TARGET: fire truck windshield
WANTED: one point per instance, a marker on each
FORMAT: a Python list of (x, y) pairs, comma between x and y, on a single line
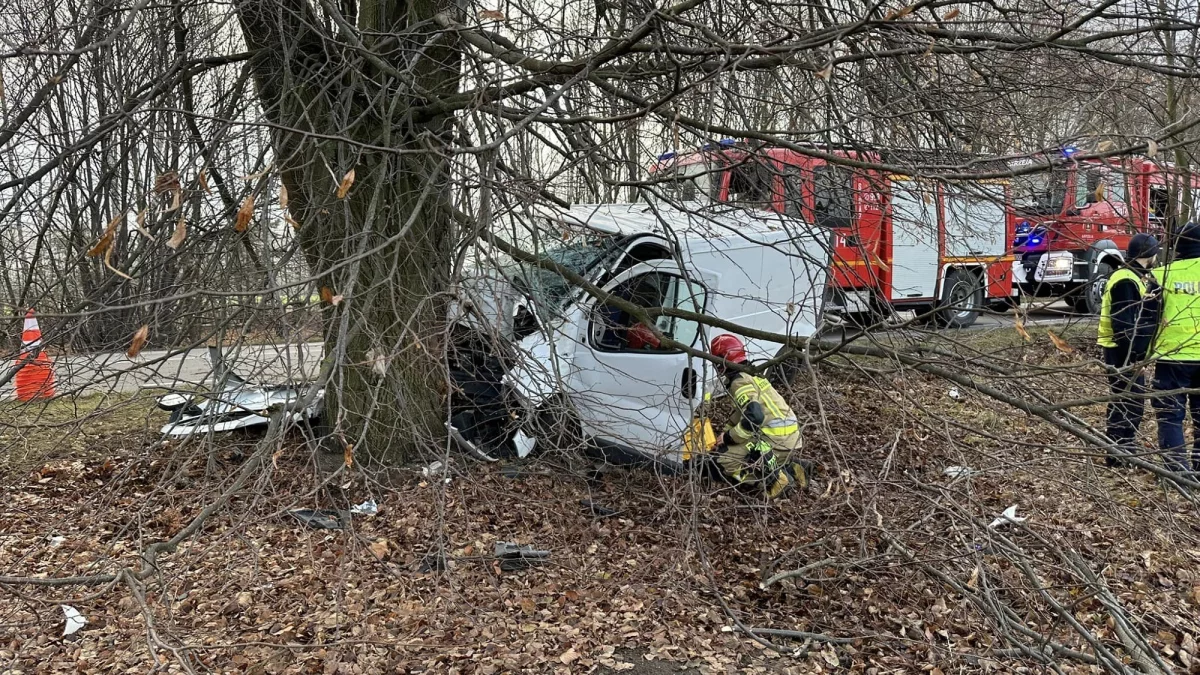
[(686, 183), (1040, 193)]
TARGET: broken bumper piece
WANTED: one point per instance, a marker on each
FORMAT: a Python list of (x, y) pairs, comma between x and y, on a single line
[(236, 408)]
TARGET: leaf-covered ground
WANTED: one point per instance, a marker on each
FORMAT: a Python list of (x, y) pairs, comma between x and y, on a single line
[(903, 569)]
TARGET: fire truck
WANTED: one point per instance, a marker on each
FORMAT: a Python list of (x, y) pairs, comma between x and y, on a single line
[(899, 242), (1073, 222)]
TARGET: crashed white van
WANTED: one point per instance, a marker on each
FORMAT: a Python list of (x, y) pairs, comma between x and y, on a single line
[(627, 395)]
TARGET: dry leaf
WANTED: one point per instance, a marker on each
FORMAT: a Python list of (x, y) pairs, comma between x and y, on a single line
[(202, 179), (176, 199), (256, 176), (570, 656), (1019, 324), (336, 300), (275, 457), (348, 455), (287, 217), (1060, 343), (951, 15), (973, 582), (344, 187), (244, 214), (283, 197), (326, 294), (139, 341), (140, 224), (166, 182), (492, 15), (826, 72), (899, 13), (102, 246), (379, 548), (109, 265), (1151, 147), (180, 233)]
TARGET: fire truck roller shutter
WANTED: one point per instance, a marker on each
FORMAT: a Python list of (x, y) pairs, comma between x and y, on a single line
[(1092, 272)]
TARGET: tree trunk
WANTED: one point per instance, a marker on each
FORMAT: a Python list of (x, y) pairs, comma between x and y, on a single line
[(385, 247)]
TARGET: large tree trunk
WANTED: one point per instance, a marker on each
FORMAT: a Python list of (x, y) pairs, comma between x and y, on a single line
[(386, 246)]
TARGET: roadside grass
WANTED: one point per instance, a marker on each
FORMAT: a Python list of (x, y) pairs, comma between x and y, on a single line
[(70, 427)]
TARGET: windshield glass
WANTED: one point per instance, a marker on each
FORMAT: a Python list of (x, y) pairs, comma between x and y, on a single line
[(687, 183), (1040, 192), (546, 288)]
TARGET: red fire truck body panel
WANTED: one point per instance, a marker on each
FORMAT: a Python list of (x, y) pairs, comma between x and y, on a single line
[(1073, 224), (897, 240)]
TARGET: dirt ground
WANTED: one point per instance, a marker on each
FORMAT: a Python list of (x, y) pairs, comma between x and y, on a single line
[(898, 568)]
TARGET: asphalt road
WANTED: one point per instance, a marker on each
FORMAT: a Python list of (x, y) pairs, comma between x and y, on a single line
[(155, 371)]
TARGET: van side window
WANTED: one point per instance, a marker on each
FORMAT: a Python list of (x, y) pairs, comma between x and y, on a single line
[(750, 184), (833, 196), (793, 192), (615, 330)]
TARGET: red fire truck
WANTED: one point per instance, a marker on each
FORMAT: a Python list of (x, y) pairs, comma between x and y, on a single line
[(1073, 223), (900, 243)]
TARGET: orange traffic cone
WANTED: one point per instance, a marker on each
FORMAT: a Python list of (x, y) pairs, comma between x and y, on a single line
[(36, 378)]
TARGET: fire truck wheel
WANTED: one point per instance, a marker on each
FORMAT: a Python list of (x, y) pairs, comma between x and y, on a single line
[(1091, 296), (962, 298)]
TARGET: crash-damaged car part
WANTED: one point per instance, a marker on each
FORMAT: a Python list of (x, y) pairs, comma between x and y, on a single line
[(236, 403)]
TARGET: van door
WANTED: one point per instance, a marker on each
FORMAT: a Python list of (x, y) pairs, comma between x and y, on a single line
[(631, 393)]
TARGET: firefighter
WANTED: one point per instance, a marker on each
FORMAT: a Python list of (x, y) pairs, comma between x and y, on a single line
[(1177, 350), (762, 442), (1128, 319)]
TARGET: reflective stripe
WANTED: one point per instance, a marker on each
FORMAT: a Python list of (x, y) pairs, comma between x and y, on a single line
[(764, 386), (781, 431)]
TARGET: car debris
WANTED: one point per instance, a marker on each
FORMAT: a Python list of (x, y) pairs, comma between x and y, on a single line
[(1008, 516), (236, 403), (75, 620), (517, 557), (367, 508), (321, 519), (435, 561), (597, 510), (961, 472)]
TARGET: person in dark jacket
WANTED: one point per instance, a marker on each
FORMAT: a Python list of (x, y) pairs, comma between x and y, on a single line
[(1129, 318)]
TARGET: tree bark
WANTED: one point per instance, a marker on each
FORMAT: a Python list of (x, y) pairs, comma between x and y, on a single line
[(340, 103)]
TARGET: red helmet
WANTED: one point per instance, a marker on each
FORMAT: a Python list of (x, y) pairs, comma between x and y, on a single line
[(728, 347)]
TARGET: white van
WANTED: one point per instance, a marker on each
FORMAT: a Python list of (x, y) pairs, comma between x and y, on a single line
[(631, 398)]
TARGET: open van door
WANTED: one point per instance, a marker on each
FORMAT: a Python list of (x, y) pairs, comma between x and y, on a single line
[(633, 396)]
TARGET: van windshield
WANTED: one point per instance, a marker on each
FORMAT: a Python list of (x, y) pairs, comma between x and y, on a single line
[(548, 290)]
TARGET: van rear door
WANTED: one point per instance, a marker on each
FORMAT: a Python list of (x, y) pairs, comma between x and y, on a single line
[(631, 394)]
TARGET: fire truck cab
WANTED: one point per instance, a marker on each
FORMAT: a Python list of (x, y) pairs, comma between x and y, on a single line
[(899, 242), (1073, 223)]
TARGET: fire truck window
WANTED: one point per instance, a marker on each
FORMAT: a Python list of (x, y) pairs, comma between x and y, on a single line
[(833, 196), (793, 193), (1085, 187), (1114, 188), (1040, 193), (750, 184)]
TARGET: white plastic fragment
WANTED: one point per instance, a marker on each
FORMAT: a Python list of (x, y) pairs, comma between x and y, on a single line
[(524, 443), (431, 470), (57, 540), (367, 508), (75, 620), (1008, 516), (961, 472), (955, 394)]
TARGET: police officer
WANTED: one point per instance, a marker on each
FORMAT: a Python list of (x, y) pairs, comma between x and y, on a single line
[(1128, 319), (1177, 351), (762, 441)]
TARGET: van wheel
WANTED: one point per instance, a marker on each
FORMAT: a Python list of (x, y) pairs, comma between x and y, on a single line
[(1091, 296), (962, 299)]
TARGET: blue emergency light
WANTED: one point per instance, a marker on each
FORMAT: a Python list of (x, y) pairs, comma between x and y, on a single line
[(666, 156), (723, 143), (1069, 150)]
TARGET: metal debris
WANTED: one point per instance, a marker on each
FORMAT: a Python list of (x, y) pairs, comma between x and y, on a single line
[(518, 557), (321, 519)]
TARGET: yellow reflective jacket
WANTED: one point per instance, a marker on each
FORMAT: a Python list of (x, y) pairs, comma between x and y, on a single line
[(779, 427)]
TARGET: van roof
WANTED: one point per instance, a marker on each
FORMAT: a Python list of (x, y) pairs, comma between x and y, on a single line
[(704, 221)]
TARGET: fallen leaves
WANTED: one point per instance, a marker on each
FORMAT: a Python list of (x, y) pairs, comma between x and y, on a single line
[(344, 186), (951, 15), (138, 341), (202, 181), (348, 455), (1019, 325), (379, 548), (900, 13), (1060, 344), (492, 15)]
